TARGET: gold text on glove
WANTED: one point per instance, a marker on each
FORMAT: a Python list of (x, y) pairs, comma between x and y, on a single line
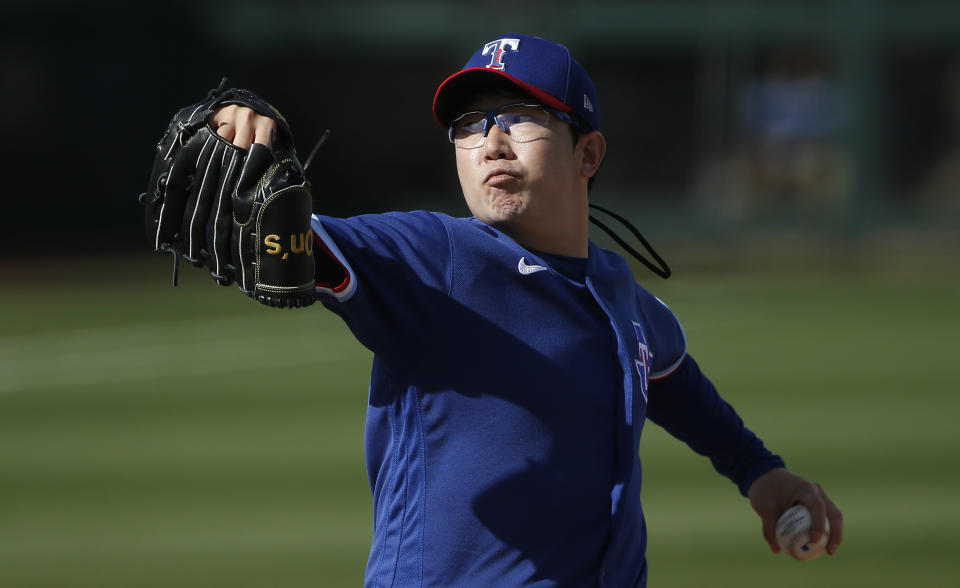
[(299, 243)]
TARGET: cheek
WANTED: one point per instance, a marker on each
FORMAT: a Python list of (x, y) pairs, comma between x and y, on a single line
[(466, 161), (550, 166), (464, 169), (468, 173)]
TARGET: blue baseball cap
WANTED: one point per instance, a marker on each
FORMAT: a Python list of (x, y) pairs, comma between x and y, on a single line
[(543, 69)]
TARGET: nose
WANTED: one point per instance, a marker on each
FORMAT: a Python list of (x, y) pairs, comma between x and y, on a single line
[(497, 145)]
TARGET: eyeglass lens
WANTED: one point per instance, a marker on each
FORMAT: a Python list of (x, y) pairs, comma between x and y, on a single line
[(521, 122)]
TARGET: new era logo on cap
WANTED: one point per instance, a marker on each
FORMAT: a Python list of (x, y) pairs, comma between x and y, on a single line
[(542, 69)]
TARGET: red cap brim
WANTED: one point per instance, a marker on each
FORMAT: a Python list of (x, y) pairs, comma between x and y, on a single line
[(445, 105)]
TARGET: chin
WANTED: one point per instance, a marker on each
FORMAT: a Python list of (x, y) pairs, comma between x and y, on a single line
[(494, 209), (504, 207)]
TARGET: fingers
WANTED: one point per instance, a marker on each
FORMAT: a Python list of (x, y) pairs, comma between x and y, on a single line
[(224, 121), (264, 127), (774, 492), (770, 532), (227, 131), (836, 527), (766, 498), (813, 499), (822, 510), (242, 126), (221, 222), (199, 197), (178, 185)]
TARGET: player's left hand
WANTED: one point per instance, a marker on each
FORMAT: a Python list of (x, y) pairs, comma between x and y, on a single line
[(778, 490), (242, 125), (231, 196)]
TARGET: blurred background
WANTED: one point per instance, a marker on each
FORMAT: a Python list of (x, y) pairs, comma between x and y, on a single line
[(796, 161)]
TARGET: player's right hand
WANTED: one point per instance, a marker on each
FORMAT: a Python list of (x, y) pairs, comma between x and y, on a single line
[(779, 489), (242, 125)]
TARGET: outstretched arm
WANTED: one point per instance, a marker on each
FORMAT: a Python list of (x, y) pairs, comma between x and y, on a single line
[(687, 404)]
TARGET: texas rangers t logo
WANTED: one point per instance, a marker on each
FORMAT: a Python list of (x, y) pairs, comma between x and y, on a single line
[(643, 364), (496, 49)]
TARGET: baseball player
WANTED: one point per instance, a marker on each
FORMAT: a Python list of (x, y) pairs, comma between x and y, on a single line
[(515, 361)]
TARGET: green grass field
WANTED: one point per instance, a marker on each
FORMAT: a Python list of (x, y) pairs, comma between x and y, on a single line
[(158, 437)]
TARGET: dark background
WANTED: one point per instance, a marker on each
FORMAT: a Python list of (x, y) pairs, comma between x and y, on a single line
[(796, 162), (88, 89)]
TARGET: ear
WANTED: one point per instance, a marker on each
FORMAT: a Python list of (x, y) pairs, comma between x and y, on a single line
[(593, 145)]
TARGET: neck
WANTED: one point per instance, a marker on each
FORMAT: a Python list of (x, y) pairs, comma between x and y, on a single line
[(557, 234)]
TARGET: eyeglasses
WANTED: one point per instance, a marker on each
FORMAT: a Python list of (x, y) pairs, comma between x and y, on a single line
[(520, 122)]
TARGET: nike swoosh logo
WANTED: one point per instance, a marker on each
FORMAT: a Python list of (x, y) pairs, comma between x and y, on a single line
[(529, 269)]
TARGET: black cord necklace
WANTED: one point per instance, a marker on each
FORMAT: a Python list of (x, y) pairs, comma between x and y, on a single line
[(663, 270)]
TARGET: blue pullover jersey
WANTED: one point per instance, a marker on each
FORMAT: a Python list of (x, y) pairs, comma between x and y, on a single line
[(507, 397)]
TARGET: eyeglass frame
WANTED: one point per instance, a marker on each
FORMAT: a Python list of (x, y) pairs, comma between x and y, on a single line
[(492, 115)]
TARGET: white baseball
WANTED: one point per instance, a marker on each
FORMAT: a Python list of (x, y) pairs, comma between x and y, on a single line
[(793, 534)]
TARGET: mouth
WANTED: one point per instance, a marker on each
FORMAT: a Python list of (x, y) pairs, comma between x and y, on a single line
[(500, 176)]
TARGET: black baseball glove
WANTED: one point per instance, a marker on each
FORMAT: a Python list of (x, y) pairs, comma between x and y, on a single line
[(244, 214)]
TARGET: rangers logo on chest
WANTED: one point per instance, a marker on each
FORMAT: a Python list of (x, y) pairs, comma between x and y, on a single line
[(644, 359)]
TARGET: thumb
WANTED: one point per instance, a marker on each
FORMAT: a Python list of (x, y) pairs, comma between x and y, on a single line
[(770, 531), (256, 164)]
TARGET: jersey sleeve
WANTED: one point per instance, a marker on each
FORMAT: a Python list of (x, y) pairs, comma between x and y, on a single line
[(688, 406), (664, 334), (382, 274)]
